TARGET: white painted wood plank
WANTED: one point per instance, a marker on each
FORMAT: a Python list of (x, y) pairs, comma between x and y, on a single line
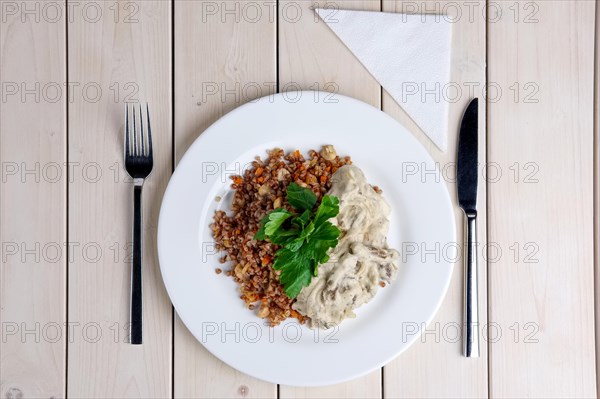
[(544, 299), (224, 57), (32, 204), (434, 365), (128, 57), (311, 57)]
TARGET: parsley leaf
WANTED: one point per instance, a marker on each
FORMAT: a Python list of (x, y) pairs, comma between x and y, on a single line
[(301, 198), (276, 219), (272, 222), (325, 237), (295, 271), (303, 219), (284, 237), (329, 207), (260, 234), (326, 232), (305, 241)]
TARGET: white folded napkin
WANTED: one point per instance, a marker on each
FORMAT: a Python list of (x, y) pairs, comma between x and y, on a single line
[(409, 55)]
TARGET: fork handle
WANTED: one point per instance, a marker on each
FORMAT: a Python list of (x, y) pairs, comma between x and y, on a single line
[(471, 311), (136, 267)]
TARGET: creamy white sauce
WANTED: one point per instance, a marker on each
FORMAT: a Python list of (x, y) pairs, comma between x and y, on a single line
[(360, 261)]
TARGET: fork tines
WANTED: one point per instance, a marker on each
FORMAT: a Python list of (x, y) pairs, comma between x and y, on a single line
[(138, 142), (142, 144)]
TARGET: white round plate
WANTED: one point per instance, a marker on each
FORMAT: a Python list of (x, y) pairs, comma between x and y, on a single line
[(422, 220)]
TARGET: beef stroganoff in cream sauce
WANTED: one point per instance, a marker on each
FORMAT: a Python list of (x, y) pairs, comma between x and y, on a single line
[(362, 260)]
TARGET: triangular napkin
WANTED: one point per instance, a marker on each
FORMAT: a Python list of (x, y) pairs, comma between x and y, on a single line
[(408, 54)]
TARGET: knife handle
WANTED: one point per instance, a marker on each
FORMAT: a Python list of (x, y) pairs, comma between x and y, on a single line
[(470, 308)]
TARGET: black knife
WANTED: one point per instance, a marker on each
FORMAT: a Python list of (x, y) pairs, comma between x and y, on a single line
[(467, 200)]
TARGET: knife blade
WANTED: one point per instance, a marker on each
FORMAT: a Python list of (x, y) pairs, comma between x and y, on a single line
[(467, 199), (467, 159)]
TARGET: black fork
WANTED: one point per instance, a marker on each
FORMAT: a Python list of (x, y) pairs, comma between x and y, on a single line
[(138, 163)]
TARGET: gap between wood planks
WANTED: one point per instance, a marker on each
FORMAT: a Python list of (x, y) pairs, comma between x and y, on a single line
[(596, 175)]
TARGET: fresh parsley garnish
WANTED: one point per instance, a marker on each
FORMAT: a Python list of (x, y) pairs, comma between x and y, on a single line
[(301, 198), (305, 237)]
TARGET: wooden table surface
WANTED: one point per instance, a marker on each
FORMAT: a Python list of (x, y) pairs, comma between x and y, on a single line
[(67, 69)]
